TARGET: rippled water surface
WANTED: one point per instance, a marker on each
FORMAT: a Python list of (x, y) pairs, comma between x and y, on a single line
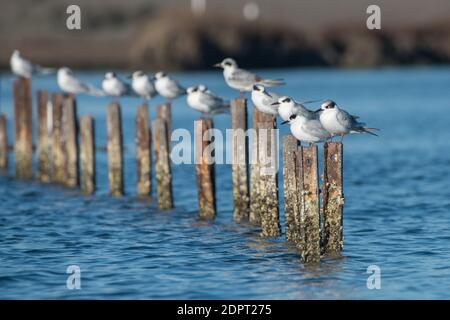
[(397, 210)]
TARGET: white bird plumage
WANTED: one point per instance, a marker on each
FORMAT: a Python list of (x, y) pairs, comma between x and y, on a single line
[(23, 68), (264, 101), (167, 87), (70, 84), (142, 85), (307, 129), (339, 122), (113, 86), (201, 99), (288, 106), (241, 79)]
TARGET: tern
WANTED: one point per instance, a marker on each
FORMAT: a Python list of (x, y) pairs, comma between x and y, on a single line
[(167, 87), (24, 68), (208, 103), (143, 85), (264, 101), (70, 84)]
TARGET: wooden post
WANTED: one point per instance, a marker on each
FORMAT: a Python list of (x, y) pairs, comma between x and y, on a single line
[(71, 141), (162, 166), (256, 186), (333, 198), (3, 144), (23, 140), (268, 188), (311, 218), (87, 154), (143, 156), (255, 217), (291, 192), (204, 169), (42, 143), (164, 112), (59, 171), (239, 147), (115, 150)]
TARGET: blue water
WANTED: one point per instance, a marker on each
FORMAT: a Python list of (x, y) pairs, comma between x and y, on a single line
[(397, 210)]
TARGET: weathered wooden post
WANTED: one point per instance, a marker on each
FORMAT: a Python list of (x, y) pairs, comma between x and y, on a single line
[(115, 150), (23, 140), (333, 198), (204, 169), (268, 189), (71, 142), (59, 172), (143, 156), (162, 166), (291, 196), (239, 147), (3, 144), (256, 184), (164, 112), (87, 154), (311, 213), (43, 143)]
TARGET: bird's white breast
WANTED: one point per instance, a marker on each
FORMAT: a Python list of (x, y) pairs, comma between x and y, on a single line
[(328, 119)]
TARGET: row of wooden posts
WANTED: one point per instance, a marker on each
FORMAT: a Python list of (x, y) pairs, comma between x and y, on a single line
[(313, 223)]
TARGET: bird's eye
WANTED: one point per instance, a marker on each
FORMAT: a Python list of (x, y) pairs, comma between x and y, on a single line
[(292, 117), (227, 63), (287, 100)]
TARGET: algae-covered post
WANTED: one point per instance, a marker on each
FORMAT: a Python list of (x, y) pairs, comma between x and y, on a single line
[(162, 166), (268, 189), (291, 195), (115, 150), (71, 140), (239, 149), (204, 169), (23, 139), (3, 144), (143, 156), (43, 143), (311, 219), (164, 112), (59, 161), (87, 154), (333, 198)]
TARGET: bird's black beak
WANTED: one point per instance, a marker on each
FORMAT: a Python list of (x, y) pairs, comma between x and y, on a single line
[(267, 94), (284, 122), (218, 65), (317, 111), (274, 103)]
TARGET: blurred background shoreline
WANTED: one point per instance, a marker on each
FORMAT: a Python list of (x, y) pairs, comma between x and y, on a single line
[(176, 35)]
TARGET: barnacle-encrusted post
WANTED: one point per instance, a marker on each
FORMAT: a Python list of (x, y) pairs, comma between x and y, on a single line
[(311, 214), (143, 156), (239, 149), (291, 194), (23, 137), (59, 157), (87, 154), (268, 182), (204, 169), (333, 198), (70, 136), (162, 167), (43, 142), (115, 150), (3, 144)]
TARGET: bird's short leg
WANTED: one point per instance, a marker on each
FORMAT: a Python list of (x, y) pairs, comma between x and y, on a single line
[(242, 94), (342, 137)]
